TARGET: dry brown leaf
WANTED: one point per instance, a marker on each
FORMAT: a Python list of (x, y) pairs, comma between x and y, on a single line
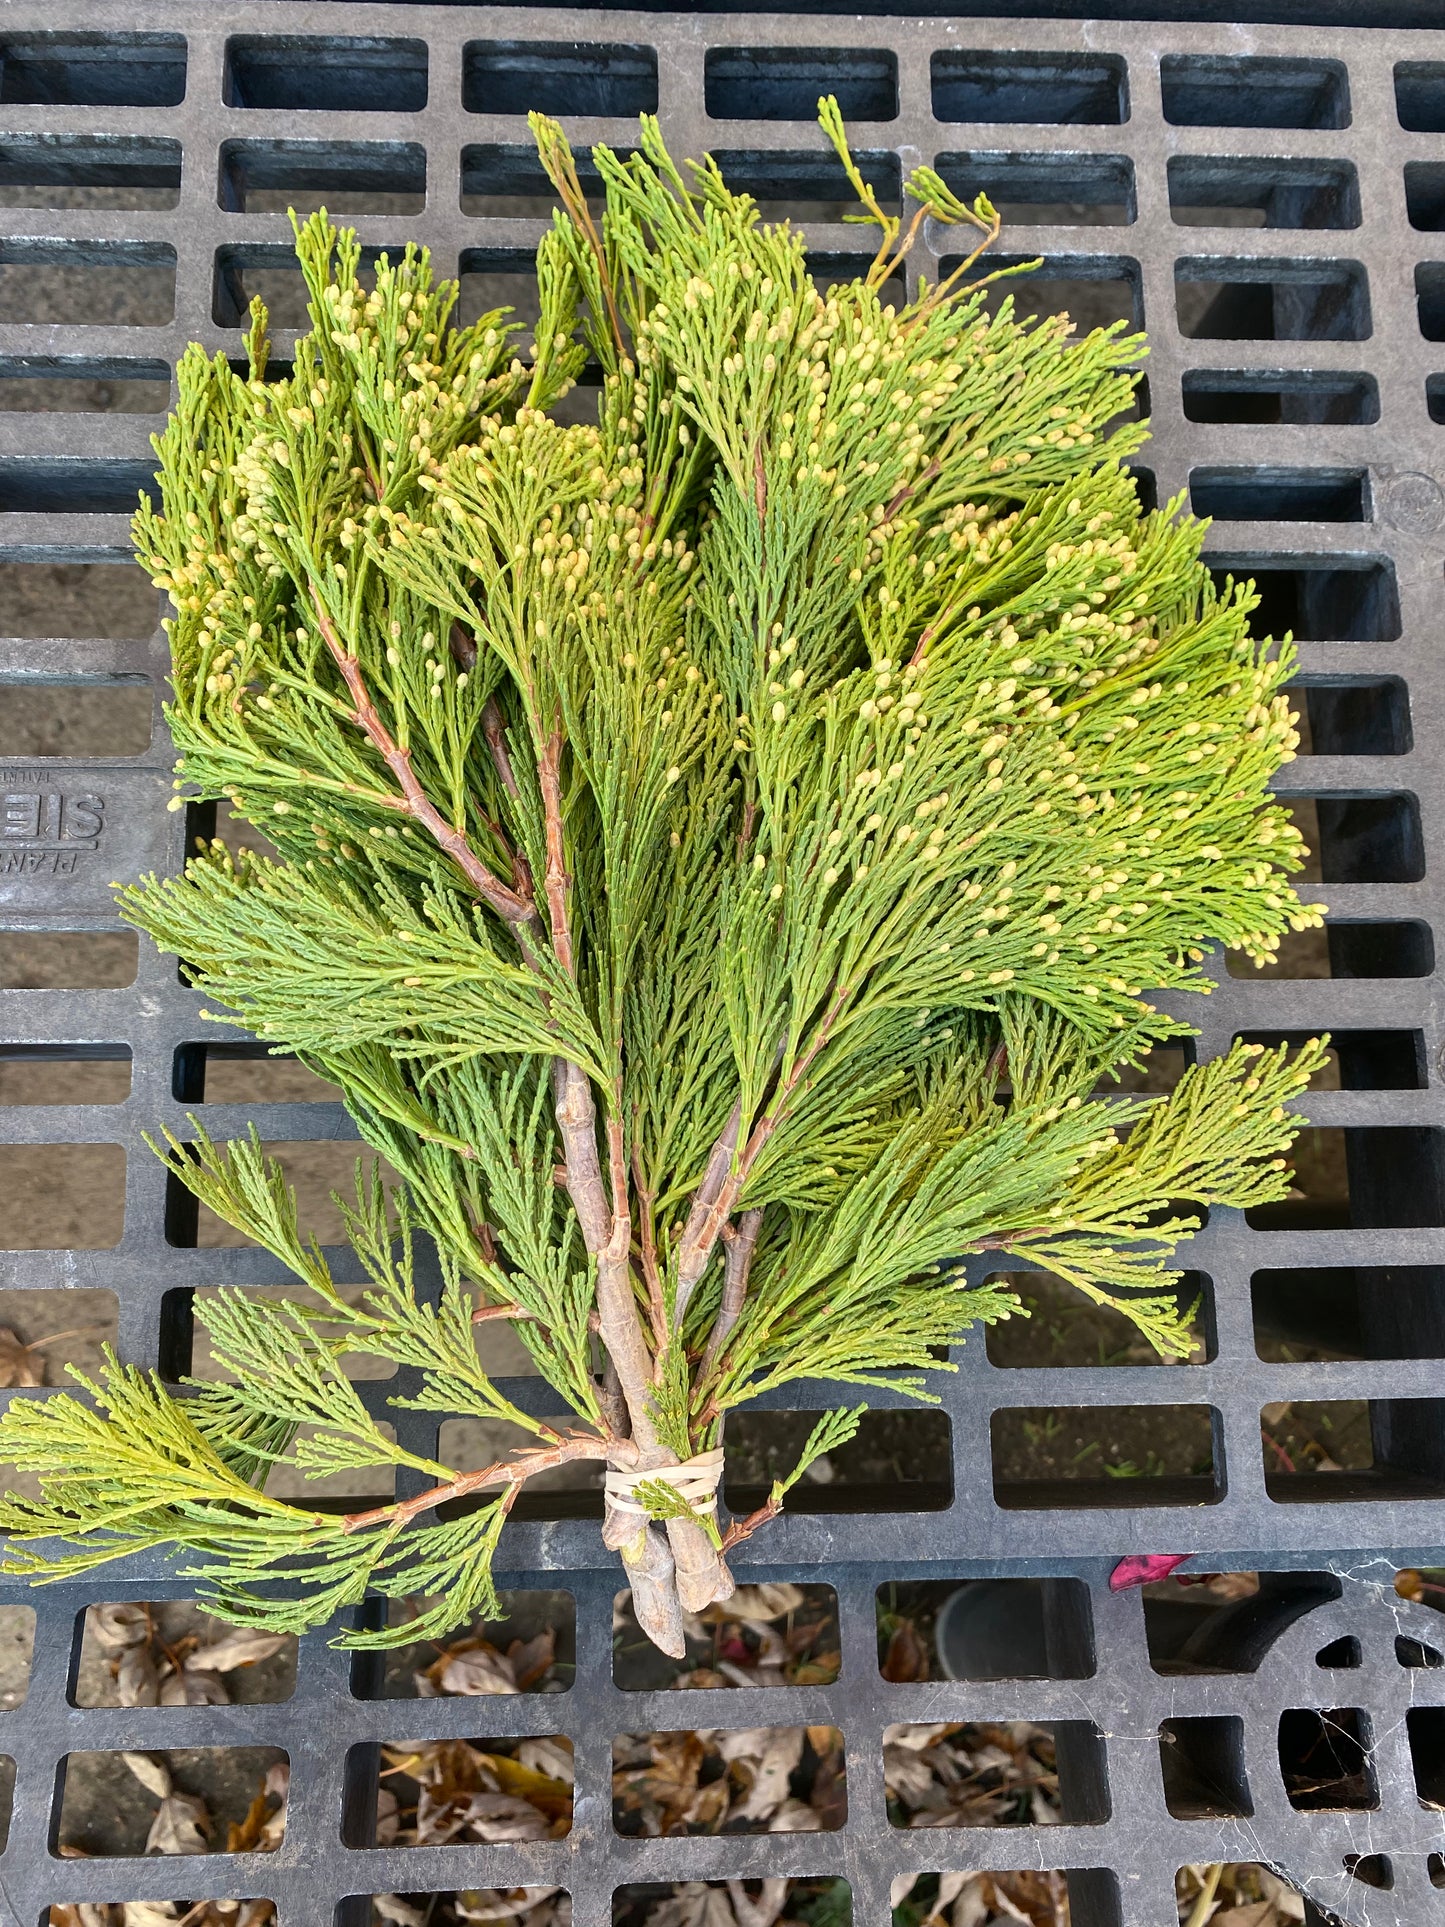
[(1003, 1905), (971, 1909), (1258, 1913), (759, 1604), (655, 1779), (446, 1764), (706, 1810), (916, 1737), (1002, 1774), (764, 1757), (153, 1774), (907, 1655), (150, 1913), (265, 1823), (393, 1907), (277, 1787), (1288, 1901), (763, 1911), (1232, 1585), (475, 1670), (237, 1648), (486, 1816), (180, 1825), (950, 1886), (531, 1659), (388, 1817), (137, 1683), (117, 1623), (906, 1774), (794, 1816), (550, 1760), (694, 1904), (829, 1796), (1045, 1812), (20, 1364), (193, 1689), (553, 1796)]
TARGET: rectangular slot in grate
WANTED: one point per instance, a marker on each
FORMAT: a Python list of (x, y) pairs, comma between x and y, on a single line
[(326, 73), (1234, 90), (558, 77), (347, 177), (1208, 191), (114, 171), (1248, 299), (1297, 397), (1356, 600), (784, 83), (1058, 89), (1346, 1311), (1054, 190), (92, 69), (1256, 494), (1420, 95), (96, 283)]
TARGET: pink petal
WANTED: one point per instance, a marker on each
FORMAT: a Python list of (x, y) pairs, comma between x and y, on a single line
[(1140, 1568)]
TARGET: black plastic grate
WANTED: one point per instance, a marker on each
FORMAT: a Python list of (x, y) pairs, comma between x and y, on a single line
[(1269, 207)]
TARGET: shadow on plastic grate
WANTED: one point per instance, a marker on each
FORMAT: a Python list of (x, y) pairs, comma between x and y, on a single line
[(1274, 219)]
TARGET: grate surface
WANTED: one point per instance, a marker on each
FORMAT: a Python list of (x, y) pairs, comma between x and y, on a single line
[(1270, 205)]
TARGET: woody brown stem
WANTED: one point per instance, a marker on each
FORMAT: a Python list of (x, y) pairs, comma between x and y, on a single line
[(741, 1529), (606, 1232), (484, 1313), (611, 1403), (652, 1574), (647, 1245), (694, 1248), (494, 734), (558, 880), (463, 648), (505, 1472), (740, 1243)]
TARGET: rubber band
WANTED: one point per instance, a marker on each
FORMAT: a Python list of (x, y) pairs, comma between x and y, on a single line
[(695, 1482)]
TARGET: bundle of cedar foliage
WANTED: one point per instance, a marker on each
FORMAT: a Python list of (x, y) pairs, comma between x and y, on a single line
[(722, 847)]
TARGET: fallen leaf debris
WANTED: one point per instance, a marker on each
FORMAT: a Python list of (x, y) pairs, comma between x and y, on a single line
[(982, 1899), (173, 1655), (435, 1792), (971, 1774), (1238, 1894), (735, 1903), (764, 1635), (709, 1779), (764, 1779)]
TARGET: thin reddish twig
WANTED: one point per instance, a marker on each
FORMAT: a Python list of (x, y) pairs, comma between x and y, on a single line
[(510, 1472), (512, 908)]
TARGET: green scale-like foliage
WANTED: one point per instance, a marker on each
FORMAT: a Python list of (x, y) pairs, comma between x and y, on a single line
[(821, 759)]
